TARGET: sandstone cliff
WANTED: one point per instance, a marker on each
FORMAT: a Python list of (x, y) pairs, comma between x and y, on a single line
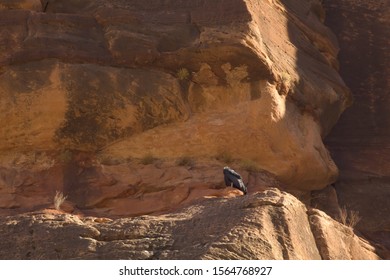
[(268, 225), (133, 107), (360, 141), (88, 84)]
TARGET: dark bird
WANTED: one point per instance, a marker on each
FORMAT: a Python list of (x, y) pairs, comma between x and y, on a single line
[(233, 179)]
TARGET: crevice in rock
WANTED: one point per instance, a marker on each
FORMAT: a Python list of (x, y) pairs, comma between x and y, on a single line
[(315, 231), (281, 227), (45, 6)]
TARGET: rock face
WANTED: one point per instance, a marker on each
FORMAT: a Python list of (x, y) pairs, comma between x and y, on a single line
[(133, 107), (267, 225), (360, 141), (253, 81)]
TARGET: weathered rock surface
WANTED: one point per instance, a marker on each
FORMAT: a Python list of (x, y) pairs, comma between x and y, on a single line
[(133, 107), (360, 141), (254, 81), (119, 189), (33, 5), (266, 225)]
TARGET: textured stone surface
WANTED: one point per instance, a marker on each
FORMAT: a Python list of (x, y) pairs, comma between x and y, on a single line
[(133, 107), (268, 225), (118, 188), (103, 77), (360, 141), (336, 241), (33, 5)]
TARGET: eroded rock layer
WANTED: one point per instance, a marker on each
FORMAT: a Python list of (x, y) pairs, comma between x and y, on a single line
[(94, 85), (268, 225)]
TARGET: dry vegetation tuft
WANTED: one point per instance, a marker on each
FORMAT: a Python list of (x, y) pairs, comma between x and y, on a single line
[(148, 159), (59, 199), (185, 161), (183, 74), (224, 157), (250, 166), (349, 218)]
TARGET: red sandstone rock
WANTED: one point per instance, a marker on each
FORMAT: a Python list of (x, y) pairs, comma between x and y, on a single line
[(90, 91), (269, 225), (360, 141)]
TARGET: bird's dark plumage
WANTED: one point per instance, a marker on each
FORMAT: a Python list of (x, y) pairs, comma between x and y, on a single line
[(232, 178)]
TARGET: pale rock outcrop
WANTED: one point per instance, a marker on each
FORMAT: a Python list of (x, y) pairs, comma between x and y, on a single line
[(336, 241), (267, 225)]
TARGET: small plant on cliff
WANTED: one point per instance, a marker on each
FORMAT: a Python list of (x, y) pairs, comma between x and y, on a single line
[(349, 218), (183, 74), (148, 159), (286, 78), (250, 166), (318, 9), (185, 161), (285, 83), (224, 157), (65, 156), (59, 199)]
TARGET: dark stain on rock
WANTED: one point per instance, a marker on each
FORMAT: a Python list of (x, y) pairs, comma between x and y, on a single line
[(99, 100)]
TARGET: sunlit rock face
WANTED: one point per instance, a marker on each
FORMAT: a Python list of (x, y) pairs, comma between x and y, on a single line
[(269, 225), (94, 92)]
